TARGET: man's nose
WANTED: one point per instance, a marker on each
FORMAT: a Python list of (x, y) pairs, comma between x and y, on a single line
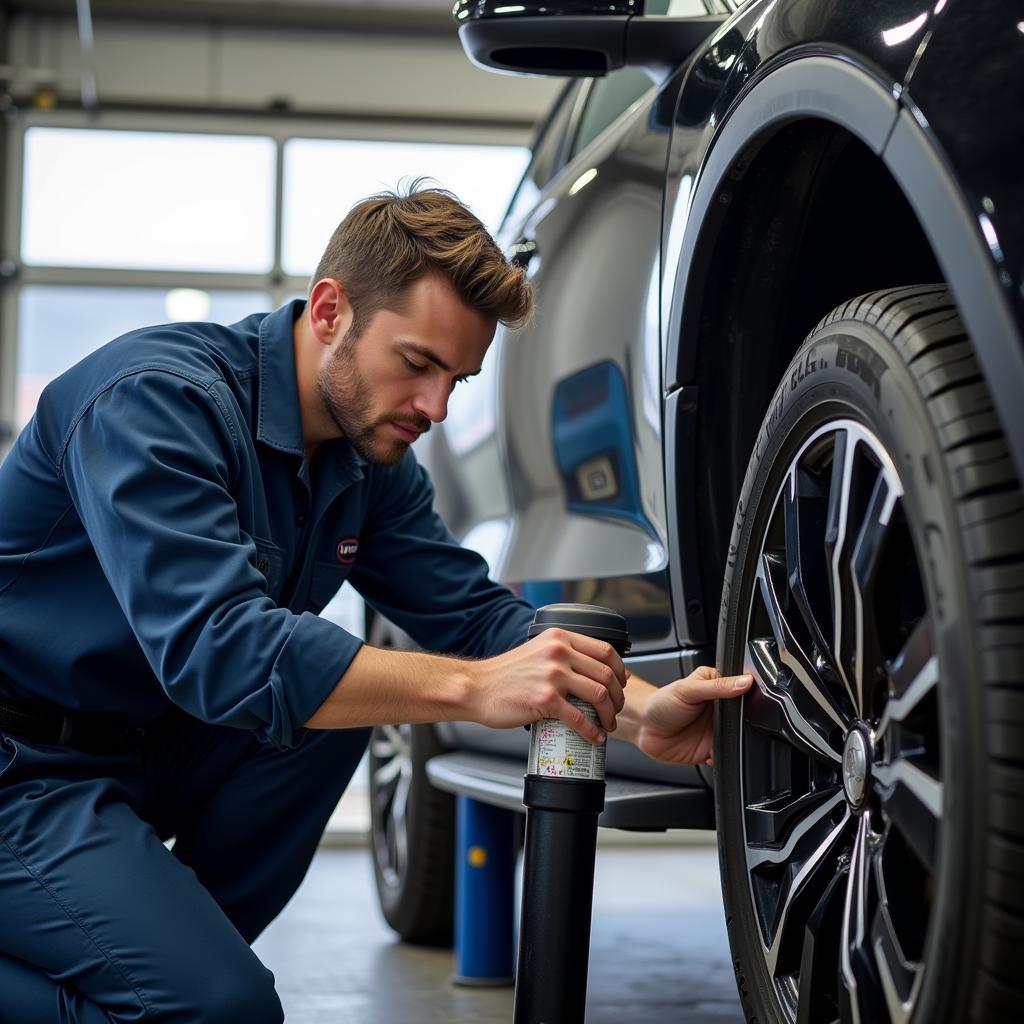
[(433, 403)]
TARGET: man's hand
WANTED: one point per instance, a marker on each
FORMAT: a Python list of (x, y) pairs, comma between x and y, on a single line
[(533, 681), (675, 723)]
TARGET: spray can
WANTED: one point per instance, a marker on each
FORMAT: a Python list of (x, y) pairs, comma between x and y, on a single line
[(564, 796)]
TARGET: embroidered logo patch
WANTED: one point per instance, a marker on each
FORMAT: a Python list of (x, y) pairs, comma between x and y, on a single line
[(347, 549)]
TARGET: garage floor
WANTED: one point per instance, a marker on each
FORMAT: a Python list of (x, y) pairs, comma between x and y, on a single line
[(658, 955)]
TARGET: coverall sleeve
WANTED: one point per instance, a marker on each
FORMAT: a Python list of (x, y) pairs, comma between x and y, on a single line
[(413, 571), (150, 465)]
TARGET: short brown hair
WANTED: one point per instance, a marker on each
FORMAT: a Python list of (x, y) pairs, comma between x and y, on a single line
[(391, 239)]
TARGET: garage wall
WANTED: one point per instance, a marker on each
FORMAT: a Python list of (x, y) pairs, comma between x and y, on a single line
[(365, 72)]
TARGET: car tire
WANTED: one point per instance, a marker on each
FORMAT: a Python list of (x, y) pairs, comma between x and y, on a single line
[(870, 785), (412, 834)]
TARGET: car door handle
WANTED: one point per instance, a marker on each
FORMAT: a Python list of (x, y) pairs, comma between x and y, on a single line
[(522, 252)]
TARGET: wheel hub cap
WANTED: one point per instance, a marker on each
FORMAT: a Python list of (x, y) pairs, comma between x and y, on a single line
[(856, 767)]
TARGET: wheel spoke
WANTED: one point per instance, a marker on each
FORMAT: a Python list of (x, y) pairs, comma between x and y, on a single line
[(804, 517), (767, 823), (912, 800), (757, 856), (795, 884), (843, 615), (900, 980), (914, 675), (818, 958), (397, 823), (858, 994), (389, 771), (771, 573), (382, 748), (773, 710), (920, 686), (864, 561)]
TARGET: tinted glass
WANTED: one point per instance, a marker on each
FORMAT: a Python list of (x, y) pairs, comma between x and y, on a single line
[(676, 8), (609, 97), (548, 155)]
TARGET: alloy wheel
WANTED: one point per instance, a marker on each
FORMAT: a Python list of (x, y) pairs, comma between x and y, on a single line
[(841, 771), (391, 770)]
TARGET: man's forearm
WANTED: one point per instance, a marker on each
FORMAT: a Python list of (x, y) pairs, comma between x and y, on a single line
[(523, 685), (385, 686), (382, 686)]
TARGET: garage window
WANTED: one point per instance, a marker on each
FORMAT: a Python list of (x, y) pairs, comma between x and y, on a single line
[(60, 324), (324, 177), (148, 200)]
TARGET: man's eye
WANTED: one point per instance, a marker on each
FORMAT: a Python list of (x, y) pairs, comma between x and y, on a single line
[(412, 365)]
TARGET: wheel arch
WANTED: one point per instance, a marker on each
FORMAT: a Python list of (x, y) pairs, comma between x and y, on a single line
[(815, 146)]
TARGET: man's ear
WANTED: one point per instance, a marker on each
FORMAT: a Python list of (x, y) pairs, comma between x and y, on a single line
[(329, 311)]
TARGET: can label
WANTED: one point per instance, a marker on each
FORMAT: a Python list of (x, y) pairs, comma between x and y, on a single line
[(556, 751)]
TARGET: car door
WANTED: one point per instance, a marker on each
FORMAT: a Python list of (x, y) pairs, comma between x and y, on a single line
[(579, 389)]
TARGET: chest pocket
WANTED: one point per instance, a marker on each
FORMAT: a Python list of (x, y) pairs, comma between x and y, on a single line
[(326, 582), (270, 562)]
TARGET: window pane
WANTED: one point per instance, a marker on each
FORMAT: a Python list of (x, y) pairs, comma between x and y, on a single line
[(58, 325), (324, 178), (675, 8), (148, 200), (609, 97)]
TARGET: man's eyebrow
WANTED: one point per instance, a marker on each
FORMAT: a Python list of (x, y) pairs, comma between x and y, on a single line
[(432, 356)]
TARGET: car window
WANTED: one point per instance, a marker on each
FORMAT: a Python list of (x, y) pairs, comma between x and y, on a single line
[(678, 8), (546, 158), (609, 97)]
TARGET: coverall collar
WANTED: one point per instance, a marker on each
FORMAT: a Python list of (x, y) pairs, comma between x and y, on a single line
[(279, 422)]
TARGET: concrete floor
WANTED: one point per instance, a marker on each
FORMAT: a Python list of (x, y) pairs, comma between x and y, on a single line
[(658, 953)]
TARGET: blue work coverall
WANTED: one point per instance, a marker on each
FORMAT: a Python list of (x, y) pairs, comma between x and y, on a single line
[(164, 552)]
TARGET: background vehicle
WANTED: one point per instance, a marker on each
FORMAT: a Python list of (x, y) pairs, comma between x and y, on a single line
[(770, 411)]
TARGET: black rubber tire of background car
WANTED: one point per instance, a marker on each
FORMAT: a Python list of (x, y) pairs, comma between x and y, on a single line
[(899, 369), (416, 894)]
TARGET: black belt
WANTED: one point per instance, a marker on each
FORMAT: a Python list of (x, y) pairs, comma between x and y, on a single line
[(40, 723)]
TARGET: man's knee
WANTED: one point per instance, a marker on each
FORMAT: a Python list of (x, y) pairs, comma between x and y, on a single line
[(237, 996)]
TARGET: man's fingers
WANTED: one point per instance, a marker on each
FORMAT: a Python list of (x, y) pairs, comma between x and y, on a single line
[(603, 675), (596, 696), (700, 686), (599, 650), (579, 722)]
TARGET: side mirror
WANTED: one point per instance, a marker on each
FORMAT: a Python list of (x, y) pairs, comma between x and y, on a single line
[(575, 38)]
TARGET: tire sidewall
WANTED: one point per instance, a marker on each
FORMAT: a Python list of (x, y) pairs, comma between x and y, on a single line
[(848, 369)]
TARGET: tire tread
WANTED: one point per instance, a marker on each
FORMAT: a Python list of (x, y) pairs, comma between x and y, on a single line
[(988, 496)]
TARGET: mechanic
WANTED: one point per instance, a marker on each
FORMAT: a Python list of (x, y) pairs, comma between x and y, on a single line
[(182, 504)]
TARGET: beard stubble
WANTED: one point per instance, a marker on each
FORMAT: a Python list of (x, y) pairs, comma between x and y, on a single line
[(347, 399)]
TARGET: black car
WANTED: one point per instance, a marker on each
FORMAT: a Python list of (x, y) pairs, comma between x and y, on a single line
[(772, 410)]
